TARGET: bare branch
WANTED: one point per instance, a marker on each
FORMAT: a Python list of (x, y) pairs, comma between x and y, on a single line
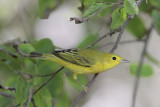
[(109, 33), (137, 80), (84, 92), (122, 42)]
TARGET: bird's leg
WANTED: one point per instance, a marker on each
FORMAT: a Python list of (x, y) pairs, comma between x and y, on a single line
[(75, 78)]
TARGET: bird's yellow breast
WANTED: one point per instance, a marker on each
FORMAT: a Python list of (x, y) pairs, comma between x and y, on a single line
[(96, 61), (97, 68)]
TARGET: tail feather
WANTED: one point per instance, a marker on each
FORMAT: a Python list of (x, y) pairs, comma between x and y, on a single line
[(35, 54)]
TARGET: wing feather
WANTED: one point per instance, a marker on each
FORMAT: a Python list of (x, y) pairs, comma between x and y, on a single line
[(75, 56)]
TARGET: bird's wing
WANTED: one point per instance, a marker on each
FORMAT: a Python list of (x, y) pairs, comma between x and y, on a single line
[(76, 57)]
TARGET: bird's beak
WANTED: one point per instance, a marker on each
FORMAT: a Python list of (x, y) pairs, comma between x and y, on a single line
[(124, 61)]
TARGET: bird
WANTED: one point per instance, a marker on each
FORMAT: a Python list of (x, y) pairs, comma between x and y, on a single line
[(82, 61)]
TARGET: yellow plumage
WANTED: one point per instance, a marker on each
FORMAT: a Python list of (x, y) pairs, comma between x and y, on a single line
[(82, 61)]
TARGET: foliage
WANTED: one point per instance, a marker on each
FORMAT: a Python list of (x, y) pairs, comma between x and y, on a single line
[(25, 73), (146, 70)]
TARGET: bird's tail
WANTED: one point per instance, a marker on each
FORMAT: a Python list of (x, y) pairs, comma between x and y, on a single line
[(45, 56)]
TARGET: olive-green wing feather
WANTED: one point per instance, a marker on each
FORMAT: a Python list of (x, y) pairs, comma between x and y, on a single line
[(76, 57)]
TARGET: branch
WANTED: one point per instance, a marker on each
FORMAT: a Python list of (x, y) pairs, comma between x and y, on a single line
[(84, 92), (94, 77), (137, 80), (122, 42), (53, 74), (26, 104), (109, 33), (33, 103), (8, 88), (31, 76), (14, 56), (6, 94), (82, 20), (15, 46), (30, 98), (111, 51)]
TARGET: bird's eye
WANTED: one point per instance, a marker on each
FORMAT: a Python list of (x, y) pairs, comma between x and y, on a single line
[(114, 58)]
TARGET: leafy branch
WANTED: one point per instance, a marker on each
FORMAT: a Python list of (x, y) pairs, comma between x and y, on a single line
[(111, 51), (92, 10)]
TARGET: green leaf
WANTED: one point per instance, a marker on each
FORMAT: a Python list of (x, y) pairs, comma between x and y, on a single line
[(5, 102), (44, 45), (87, 3), (131, 7), (156, 20), (146, 7), (118, 18), (88, 40), (22, 90), (46, 67), (105, 12), (11, 63), (95, 7), (56, 84), (136, 27), (2, 46), (43, 98), (46, 5), (63, 100), (152, 59), (26, 48), (146, 70), (155, 3)]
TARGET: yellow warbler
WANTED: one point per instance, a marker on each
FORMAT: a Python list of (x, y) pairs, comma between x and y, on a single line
[(82, 61)]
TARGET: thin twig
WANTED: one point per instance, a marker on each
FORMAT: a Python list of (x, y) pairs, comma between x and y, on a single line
[(96, 12), (111, 51), (45, 75), (137, 80), (109, 33), (14, 56), (6, 94), (33, 102), (84, 92), (121, 32), (8, 88), (122, 42), (31, 76), (53, 74), (26, 104), (15, 46), (82, 20)]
